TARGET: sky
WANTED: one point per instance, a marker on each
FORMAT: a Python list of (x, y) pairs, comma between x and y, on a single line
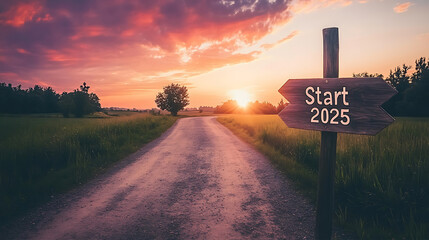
[(127, 50)]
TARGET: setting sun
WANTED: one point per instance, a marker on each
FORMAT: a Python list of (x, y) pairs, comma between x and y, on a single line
[(241, 96)]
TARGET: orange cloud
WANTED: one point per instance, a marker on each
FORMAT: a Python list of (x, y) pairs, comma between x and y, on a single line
[(45, 18), (90, 31), (56, 56), (216, 58), (128, 33), (271, 45), (312, 5), (8, 74), (20, 14), (23, 51), (123, 45), (142, 19), (403, 7)]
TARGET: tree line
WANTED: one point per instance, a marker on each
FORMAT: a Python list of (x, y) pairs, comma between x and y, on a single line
[(413, 89), (39, 99), (231, 106)]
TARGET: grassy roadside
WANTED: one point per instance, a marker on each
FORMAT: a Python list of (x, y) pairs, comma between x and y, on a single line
[(45, 155), (382, 182)]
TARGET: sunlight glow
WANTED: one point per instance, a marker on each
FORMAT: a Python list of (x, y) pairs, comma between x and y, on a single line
[(241, 96)]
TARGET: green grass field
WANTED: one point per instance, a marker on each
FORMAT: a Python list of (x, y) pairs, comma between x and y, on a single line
[(41, 155), (382, 182)]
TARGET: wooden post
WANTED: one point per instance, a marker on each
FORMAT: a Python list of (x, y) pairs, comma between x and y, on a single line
[(328, 146)]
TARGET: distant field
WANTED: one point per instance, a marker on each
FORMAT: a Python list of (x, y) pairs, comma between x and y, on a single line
[(41, 155), (382, 182)]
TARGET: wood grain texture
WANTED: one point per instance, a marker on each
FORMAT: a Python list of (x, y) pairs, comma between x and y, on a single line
[(365, 96), (328, 145), (330, 52), (325, 188)]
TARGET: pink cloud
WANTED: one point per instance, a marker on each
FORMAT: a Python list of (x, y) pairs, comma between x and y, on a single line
[(23, 51), (122, 45), (8, 74), (45, 18), (90, 31), (19, 14), (403, 7), (57, 56)]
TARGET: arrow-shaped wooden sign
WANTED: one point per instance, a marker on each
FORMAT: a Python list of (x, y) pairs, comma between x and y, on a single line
[(348, 105)]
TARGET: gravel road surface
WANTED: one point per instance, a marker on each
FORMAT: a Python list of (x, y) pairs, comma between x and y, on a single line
[(197, 181)]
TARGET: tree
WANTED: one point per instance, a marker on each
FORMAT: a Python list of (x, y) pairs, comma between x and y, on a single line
[(173, 99), (32, 100), (399, 78), (229, 106), (412, 97), (416, 98), (45, 100), (261, 108), (367, 75), (422, 71), (66, 104), (281, 105), (79, 102), (256, 107)]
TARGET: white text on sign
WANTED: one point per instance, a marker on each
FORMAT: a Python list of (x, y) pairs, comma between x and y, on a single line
[(333, 116)]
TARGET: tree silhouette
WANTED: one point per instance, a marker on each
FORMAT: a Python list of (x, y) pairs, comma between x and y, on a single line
[(173, 99), (422, 68), (84, 88), (45, 100), (416, 98), (32, 100), (230, 106), (261, 108), (281, 105), (256, 107), (79, 102), (367, 75), (412, 97)]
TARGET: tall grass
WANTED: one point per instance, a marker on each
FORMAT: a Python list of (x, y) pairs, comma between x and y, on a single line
[(382, 182), (43, 156)]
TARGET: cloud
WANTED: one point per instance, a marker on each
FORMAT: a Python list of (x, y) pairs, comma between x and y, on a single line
[(64, 42), (134, 45), (267, 46), (403, 7), (307, 6), (17, 15)]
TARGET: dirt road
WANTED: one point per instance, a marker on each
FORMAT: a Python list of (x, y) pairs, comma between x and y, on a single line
[(198, 181)]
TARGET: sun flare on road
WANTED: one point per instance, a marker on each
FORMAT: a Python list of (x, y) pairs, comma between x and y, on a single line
[(241, 96)]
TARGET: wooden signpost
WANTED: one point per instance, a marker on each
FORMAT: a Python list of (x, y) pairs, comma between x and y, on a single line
[(349, 105), (330, 105)]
